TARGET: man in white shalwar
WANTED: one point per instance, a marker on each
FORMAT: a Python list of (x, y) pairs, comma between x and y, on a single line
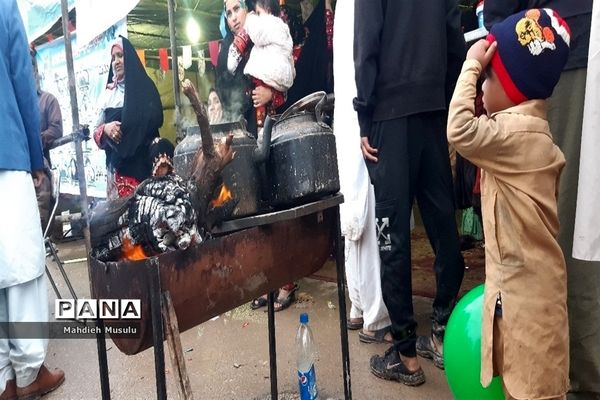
[(357, 213), (23, 293)]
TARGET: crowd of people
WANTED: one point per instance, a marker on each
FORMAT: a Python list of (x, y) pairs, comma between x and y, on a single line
[(406, 87)]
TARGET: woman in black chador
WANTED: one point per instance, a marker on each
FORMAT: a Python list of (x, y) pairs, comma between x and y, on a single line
[(129, 117)]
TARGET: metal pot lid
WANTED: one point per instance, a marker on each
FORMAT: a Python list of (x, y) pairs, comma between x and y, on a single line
[(227, 127), (238, 129), (306, 103)]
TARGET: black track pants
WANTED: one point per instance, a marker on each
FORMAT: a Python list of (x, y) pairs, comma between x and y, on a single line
[(413, 162)]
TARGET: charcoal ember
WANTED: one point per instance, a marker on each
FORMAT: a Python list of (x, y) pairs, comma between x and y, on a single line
[(108, 220), (161, 216), (221, 213), (158, 216)]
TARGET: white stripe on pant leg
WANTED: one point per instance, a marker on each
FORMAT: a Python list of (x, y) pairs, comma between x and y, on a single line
[(6, 371), (28, 302), (375, 314)]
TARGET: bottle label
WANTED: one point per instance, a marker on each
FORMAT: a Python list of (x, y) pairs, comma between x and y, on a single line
[(308, 384)]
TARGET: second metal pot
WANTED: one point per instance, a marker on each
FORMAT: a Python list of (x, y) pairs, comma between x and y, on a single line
[(302, 164), (242, 176)]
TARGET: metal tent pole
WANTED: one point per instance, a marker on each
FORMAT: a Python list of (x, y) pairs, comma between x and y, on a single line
[(174, 65), (101, 344)]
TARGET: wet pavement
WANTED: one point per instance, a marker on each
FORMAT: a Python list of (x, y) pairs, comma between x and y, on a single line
[(228, 357)]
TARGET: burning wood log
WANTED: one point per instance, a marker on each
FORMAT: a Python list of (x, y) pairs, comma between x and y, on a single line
[(208, 163), (166, 213), (158, 217)]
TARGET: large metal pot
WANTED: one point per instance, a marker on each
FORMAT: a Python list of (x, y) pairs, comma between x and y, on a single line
[(242, 176), (302, 164)]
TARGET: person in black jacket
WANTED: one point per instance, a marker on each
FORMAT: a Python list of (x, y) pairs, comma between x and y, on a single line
[(407, 57), (565, 116)]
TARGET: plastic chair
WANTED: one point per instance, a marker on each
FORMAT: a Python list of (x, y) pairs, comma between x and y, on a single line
[(55, 178)]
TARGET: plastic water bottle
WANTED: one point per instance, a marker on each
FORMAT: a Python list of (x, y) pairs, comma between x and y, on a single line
[(306, 351)]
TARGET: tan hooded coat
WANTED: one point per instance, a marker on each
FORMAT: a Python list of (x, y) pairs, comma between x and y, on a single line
[(524, 264)]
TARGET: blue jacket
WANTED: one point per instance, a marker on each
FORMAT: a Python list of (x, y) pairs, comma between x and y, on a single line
[(20, 141)]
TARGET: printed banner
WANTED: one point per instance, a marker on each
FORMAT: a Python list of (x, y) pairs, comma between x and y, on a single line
[(39, 15), (92, 63)]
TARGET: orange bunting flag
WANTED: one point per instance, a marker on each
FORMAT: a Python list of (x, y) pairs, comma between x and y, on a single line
[(142, 56)]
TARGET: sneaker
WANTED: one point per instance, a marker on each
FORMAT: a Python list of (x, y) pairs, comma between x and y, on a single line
[(390, 367), (426, 349)]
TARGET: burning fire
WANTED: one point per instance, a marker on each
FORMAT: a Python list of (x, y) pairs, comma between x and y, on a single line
[(224, 196), (132, 252)]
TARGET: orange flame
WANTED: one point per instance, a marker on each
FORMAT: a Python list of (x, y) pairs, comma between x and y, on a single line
[(132, 252), (224, 196)]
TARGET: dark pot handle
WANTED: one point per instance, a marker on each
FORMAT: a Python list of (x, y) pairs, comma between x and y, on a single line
[(326, 103), (261, 153)]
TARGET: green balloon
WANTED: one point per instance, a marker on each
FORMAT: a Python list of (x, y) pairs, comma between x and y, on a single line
[(462, 351)]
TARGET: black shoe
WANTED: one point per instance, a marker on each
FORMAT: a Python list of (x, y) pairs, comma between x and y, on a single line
[(426, 349), (390, 367)]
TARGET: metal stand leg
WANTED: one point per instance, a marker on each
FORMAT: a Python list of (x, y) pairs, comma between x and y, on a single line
[(58, 296), (157, 328), (272, 345), (102, 360), (61, 268), (341, 284)]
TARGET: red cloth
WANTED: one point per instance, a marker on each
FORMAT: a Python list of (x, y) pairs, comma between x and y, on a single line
[(241, 40), (329, 28), (477, 185), (277, 100), (98, 135), (213, 49), (164, 59), (296, 51), (125, 184)]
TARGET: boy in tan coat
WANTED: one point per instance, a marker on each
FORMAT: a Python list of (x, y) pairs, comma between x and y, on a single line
[(525, 328)]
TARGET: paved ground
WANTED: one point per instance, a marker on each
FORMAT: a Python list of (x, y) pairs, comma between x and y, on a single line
[(227, 358)]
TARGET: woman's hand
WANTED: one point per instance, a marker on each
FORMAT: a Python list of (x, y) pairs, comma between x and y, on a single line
[(112, 130), (261, 96)]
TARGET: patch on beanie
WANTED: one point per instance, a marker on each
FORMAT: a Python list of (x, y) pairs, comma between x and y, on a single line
[(537, 38)]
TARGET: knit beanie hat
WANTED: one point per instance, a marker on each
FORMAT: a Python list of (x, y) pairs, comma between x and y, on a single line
[(161, 153), (533, 47)]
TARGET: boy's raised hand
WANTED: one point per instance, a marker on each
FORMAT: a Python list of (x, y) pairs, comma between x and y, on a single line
[(482, 51)]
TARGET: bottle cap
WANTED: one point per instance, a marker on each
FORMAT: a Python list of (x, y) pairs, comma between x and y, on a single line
[(304, 318)]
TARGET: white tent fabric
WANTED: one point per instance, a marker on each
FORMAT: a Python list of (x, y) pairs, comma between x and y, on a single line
[(94, 17), (586, 240)]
